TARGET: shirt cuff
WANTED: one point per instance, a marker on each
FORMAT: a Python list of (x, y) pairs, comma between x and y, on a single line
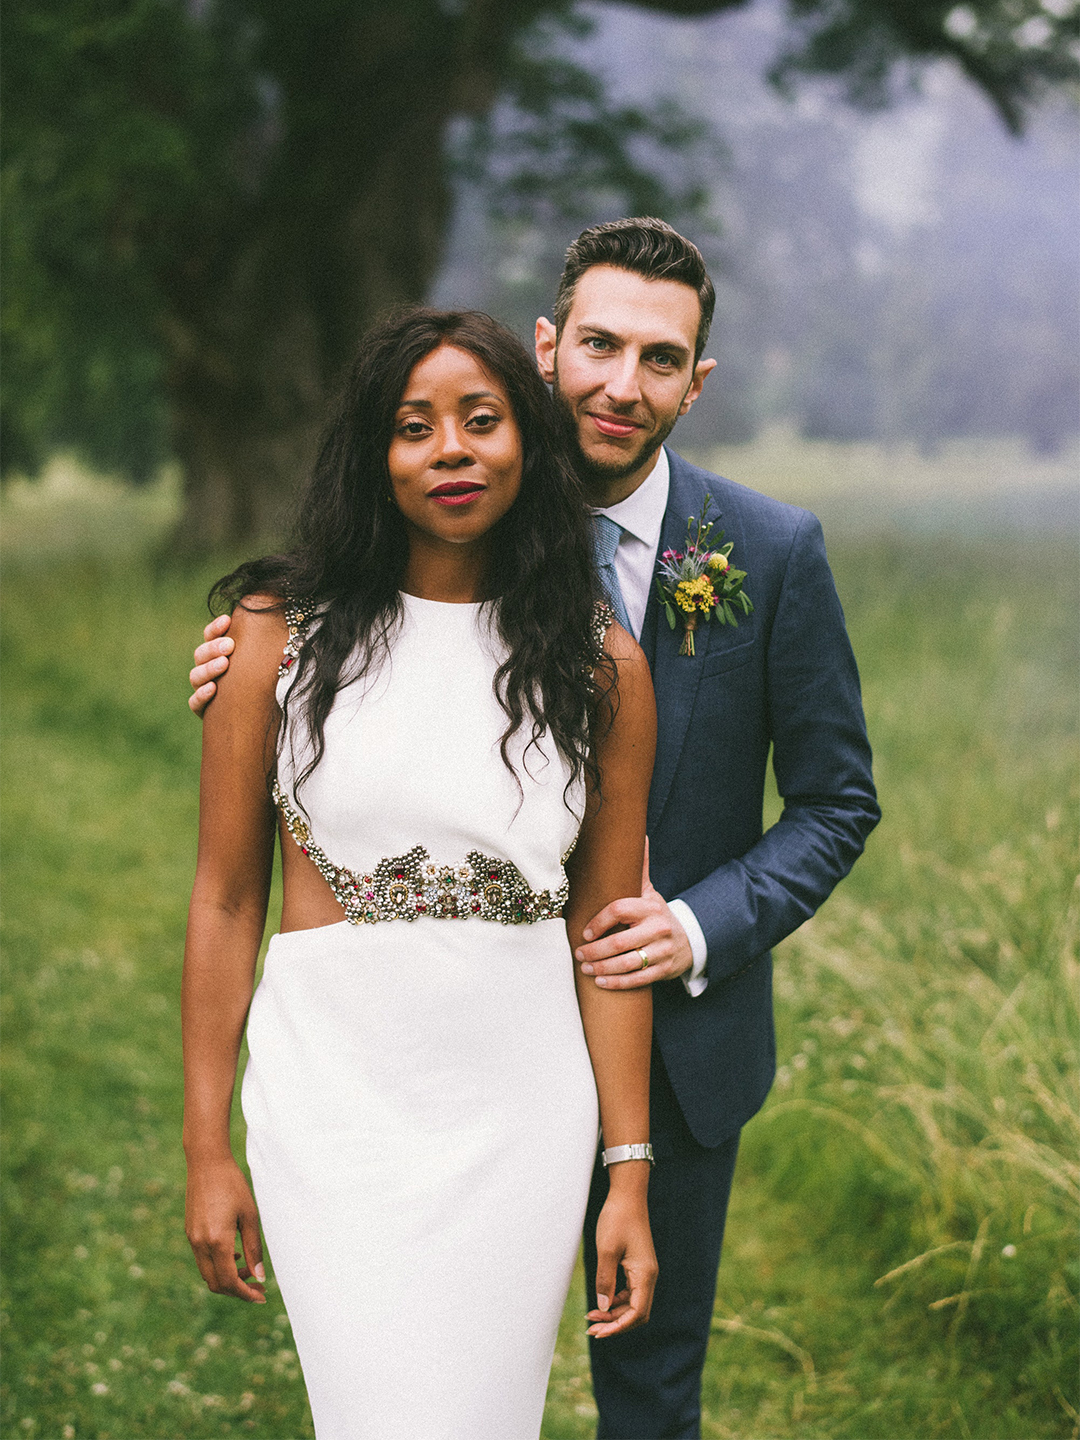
[(695, 978)]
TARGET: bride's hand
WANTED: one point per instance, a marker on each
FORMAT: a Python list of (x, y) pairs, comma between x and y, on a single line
[(220, 1203), (623, 1238)]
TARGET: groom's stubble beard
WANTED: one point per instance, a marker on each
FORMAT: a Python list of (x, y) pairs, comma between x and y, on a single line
[(596, 479)]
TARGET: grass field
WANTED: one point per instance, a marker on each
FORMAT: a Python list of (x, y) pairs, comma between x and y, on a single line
[(901, 1253)]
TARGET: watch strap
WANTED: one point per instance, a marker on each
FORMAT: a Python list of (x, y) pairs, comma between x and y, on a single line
[(618, 1153)]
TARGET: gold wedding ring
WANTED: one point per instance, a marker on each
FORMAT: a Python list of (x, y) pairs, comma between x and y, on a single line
[(644, 960)]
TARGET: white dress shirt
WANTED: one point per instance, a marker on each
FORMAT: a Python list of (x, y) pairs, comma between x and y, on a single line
[(641, 516)]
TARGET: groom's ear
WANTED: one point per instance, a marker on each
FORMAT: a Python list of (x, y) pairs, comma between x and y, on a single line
[(701, 370), (545, 349)]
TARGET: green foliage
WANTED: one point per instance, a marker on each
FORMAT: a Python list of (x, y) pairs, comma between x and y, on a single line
[(556, 143), (921, 1130), (120, 117), (1014, 50)]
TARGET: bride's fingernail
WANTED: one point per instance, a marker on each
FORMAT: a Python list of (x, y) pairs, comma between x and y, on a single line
[(602, 1302), (586, 934), (260, 1273), (586, 969)]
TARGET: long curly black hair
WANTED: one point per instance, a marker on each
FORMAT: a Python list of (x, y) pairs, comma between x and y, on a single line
[(349, 549)]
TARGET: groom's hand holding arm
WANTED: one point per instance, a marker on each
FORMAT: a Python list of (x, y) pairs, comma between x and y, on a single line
[(211, 662), (654, 945)]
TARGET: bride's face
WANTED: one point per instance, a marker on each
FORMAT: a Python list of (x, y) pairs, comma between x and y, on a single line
[(455, 456)]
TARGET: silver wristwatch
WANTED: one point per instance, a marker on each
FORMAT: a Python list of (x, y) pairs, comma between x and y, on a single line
[(627, 1152)]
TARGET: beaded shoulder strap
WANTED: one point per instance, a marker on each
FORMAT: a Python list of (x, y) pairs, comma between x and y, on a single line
[(298, 617), (603, 617)]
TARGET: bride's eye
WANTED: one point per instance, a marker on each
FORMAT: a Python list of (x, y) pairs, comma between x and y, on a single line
[(484, 421), (412, 429)]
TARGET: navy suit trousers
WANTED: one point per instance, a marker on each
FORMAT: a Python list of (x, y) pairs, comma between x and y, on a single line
[(648, 1383)]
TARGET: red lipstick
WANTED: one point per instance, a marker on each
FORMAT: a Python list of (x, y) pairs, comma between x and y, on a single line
[(456, 492)]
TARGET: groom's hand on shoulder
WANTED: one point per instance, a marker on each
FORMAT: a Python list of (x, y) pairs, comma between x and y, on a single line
[(211, 662), (653, 935)]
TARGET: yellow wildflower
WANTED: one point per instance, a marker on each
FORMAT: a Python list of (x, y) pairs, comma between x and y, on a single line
[(718, 563), (691, 595)]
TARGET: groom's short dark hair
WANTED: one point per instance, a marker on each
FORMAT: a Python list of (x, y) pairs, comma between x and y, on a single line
[(645, 246)]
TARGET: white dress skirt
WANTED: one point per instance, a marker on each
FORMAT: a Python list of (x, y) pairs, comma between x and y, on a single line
[(421, 1110)]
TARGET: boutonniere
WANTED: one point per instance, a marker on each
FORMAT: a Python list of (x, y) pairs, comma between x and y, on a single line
[(700, 581)]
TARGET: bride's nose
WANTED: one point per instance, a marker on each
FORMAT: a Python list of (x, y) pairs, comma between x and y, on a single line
[(453, 451)]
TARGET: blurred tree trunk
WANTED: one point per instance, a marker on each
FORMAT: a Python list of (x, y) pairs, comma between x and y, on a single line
[(350, 225)]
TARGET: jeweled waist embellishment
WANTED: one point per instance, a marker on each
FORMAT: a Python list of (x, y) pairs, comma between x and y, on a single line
[(406, 887)]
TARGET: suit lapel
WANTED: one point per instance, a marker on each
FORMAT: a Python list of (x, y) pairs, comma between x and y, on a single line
[(675, 676)]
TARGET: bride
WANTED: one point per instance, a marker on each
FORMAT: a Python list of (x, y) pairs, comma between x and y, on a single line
[(453, 741)]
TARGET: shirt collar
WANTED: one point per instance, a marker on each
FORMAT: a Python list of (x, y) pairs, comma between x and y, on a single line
[(642, 512)]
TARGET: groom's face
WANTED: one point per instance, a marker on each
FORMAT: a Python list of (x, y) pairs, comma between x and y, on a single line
[(623, 372)]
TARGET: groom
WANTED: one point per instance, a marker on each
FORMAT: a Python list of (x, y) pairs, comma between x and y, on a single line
[(623, 355)]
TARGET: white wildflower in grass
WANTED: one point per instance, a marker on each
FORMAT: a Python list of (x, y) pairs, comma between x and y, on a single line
[(177, 1387), (157, 1363), (800, 1061), (81, 1252), (211, 1340), (842, 1025), (1009, 1251), (99, 1388), (136, 1272), (68, 1432)]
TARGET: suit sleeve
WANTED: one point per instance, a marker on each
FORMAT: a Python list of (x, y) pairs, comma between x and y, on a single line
[(822, 762)]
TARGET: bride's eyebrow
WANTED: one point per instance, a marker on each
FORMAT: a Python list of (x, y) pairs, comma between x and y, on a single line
[(470, 399)]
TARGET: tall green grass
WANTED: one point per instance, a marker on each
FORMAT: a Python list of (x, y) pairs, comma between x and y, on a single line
[(924, 1124), (901, 1250)]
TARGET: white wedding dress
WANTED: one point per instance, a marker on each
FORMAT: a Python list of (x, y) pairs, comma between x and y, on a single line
[(421, 1110)]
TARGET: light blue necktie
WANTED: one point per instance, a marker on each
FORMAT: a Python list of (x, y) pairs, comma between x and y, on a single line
[(606, 536)]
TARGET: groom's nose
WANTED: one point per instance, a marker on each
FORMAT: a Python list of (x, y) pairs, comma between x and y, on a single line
[(621, 384)]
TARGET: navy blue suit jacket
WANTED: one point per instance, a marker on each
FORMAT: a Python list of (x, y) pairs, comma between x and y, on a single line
[(784, 677)]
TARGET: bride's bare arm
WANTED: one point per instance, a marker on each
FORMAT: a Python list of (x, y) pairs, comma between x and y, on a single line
[(618, 1024), (225, 927)]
